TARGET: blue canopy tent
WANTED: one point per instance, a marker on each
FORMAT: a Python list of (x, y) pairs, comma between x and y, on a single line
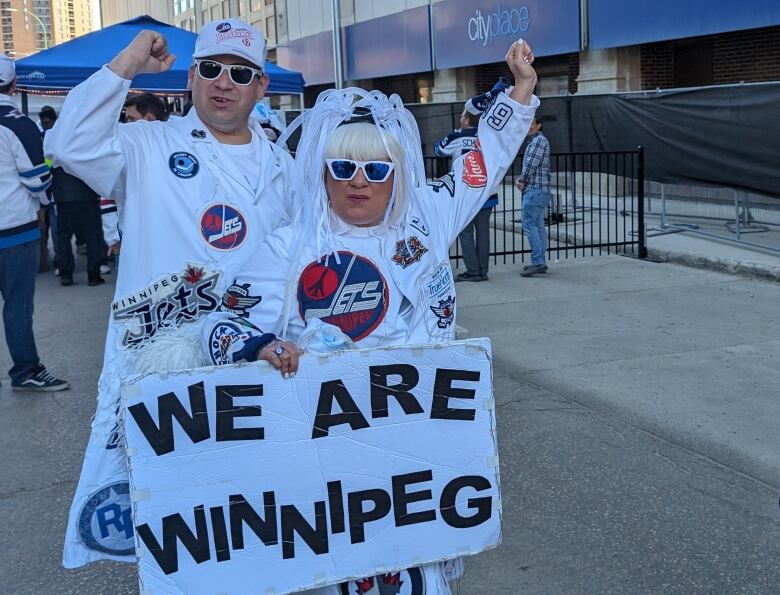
[(62, 67)]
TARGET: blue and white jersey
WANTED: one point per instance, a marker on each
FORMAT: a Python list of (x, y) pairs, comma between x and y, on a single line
[(24, 176), (457, 143)]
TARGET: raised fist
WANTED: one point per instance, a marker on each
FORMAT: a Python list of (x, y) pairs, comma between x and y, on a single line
[(147, 53), (519, 58)]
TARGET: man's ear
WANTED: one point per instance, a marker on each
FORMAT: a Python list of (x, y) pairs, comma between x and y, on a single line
[(190, 76), (262, 87)]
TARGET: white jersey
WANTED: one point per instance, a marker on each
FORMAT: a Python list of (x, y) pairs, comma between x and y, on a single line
[(391, 285), (190, 218)]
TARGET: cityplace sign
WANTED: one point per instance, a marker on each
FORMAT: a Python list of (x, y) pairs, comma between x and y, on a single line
[(471, 32), (485, 27)]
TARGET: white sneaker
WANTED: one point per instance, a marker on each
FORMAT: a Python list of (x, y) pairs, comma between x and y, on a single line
[(105, 269)]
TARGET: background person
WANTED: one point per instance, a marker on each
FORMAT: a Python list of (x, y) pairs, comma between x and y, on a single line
[(24, 180), (475, 237), (534, 182)]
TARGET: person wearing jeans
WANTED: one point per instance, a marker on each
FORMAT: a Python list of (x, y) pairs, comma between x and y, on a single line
[(534, 182), (24, 179)]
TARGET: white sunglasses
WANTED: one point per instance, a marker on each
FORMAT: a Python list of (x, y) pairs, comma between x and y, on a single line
[(346, 169), (240, 74)]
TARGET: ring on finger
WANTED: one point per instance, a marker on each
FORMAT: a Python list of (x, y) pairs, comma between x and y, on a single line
[(279, 350)]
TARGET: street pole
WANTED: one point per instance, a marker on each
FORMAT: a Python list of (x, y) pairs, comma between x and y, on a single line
[(339, 80), (40, 22)]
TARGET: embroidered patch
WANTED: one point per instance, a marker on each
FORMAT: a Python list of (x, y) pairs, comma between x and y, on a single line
[(237, 300), (419, 225), (183, 165), (353, 295), (222, 336), (474, 171), (223, 227), (170, 301), (446, 182), (445, 311), (408, 251)]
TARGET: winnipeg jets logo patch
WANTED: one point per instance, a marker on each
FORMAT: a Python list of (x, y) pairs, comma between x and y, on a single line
[(352, 295)]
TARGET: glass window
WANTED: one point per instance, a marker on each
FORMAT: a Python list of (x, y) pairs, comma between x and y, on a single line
[(216, 12), (226, 8)]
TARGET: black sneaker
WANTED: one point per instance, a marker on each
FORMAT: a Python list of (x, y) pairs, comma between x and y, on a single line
[(42, 381), (468, 277), (528, 266), (66, 280), (533, 270), (96, 281)]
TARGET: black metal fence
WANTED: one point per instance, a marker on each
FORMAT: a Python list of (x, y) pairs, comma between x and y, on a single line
[(597, 207)]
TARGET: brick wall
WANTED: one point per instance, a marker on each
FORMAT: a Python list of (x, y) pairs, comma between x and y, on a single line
[(486, 75), (751, 56), (657, 65)]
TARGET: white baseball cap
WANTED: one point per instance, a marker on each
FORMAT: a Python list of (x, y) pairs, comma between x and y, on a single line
[(7, 70), (233, 37)]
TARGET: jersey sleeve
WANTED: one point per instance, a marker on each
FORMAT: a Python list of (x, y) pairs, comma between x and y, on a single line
[(87, 141), (457, 197)]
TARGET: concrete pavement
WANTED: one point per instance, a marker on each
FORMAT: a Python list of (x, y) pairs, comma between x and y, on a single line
[(638, 422)]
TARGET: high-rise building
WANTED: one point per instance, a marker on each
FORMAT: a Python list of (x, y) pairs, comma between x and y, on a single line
[(116, 11), (70, 18), (25, 27)]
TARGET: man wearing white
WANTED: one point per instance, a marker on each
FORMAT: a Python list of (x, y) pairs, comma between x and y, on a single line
[(197, 195)]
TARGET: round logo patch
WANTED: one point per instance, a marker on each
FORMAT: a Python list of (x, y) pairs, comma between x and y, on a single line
[(183, 164), (352, 295), (106, 523), (222, 336), (223, 227), (222, 27), (406, 582)]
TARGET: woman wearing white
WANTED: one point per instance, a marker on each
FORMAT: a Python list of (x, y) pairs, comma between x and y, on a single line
[(370, 255)]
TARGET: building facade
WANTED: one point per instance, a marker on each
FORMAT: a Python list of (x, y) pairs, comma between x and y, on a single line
[(29, 26), (117, 11), (447, 50), (25, 27)]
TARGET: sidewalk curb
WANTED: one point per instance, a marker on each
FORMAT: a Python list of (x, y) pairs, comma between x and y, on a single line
[(742, 268)]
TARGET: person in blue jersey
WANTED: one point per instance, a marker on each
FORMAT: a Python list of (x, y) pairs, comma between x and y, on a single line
[(475, 237), (24, 179)]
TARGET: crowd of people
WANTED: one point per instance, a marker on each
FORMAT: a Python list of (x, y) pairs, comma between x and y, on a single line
[(231, 246)]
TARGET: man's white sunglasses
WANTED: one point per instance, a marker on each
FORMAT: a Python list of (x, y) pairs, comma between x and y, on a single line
[(211, 70)]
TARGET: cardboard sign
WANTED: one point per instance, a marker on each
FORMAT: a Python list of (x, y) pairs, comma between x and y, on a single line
[(366, 462)]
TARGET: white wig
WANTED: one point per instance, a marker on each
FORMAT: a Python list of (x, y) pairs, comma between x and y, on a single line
[(396, 136)]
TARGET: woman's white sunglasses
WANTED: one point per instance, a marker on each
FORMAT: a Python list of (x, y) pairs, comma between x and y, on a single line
[(346, 169)]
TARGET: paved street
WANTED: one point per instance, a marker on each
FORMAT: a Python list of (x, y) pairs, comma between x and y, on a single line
[(638, 417)]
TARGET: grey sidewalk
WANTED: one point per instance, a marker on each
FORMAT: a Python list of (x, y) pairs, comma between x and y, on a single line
[(638, 425)]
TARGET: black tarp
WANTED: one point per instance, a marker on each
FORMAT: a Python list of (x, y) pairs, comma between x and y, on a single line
[(710, 136), (724, 136)]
